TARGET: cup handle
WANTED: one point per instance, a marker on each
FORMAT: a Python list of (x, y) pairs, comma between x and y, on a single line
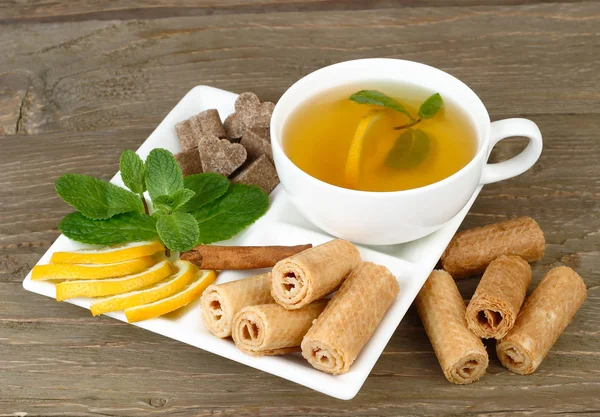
[(520, 163)]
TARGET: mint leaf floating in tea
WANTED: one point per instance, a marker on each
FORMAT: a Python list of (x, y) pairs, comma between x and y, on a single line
[(225, 217), (133, 173), (121, 228), (379, 99), (94, 198), (174, 202), (431, 106), (207, 187), (428, 109), (178, 231), (163, 175), (410, 150)]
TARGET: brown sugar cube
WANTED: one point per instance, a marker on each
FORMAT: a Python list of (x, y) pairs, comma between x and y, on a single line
[(541, 321), (189, 161), (220, 155), (260, 172), (257, 143), (185, 134), (493, 309), (207, 122), (471, 251), (249, 112)]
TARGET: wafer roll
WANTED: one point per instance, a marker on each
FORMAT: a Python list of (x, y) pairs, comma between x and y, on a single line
[(303, 278), (461, 354), (220, 303), (471, 251), (497, 300), (347, 323), (270, 329), (544, 316)]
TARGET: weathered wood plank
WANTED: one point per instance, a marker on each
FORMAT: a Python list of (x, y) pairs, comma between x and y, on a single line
[(68, 11), (121, 370), (97, 77), (79, 76)]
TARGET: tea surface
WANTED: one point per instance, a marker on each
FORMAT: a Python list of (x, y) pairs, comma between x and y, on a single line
[(318, 137)]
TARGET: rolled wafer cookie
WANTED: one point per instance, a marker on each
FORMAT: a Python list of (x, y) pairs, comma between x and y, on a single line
[(461, 354), (312, 274), (471, 251), (498, 298), (544, 316), (220, 303), (347, 323), (269, 329)]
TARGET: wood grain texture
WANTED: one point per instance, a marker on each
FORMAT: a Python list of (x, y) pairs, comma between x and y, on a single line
[(82, 81)]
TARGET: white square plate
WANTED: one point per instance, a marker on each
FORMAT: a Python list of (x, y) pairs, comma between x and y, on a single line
[(282, 225)]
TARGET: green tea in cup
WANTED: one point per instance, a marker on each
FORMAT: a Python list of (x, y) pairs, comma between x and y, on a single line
[(379, 137)]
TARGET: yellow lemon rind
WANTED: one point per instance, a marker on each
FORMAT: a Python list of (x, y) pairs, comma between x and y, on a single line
[(109, 254), (180, 299), (105, 287), (95, 271), (352, 169), (185, 274)]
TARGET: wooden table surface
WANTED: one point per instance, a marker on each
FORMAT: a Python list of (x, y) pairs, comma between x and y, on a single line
[(80, 81)]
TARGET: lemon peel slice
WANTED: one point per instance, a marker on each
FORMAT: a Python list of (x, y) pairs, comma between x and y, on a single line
[(353, 163), (180, 299), (103, 287), (186, 273), (94, 271), (109, 254)]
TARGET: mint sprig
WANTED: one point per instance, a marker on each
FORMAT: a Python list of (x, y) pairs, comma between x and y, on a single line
[(410, 149), (431, 106), (178, 231), (225, 217), (202, 208), (121, 228), (379, 99), (428, 109), (133, 171), (163, 175), (207, 187), (94, 198), (133, 174), (173, 202)]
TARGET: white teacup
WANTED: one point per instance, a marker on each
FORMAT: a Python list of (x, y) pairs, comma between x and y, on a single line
[(383, 218)]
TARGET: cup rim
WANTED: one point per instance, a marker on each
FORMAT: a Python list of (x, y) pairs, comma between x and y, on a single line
[(435, 185)]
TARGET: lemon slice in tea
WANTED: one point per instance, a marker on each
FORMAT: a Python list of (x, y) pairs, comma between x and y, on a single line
[(103, 287), (180, 299), (93, 271), (354, 161), (110, 254), (185, 274)]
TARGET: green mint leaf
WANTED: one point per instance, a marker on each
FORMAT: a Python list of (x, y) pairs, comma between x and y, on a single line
[(410, 149), (431, 106), (121, 228), (163, 175), (208, 186), (178, 231), (225, 217), (95, 198), (173, 202), (133, 171), (379, 99)]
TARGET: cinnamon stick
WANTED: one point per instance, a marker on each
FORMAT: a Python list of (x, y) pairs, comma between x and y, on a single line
[(240, 257)]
